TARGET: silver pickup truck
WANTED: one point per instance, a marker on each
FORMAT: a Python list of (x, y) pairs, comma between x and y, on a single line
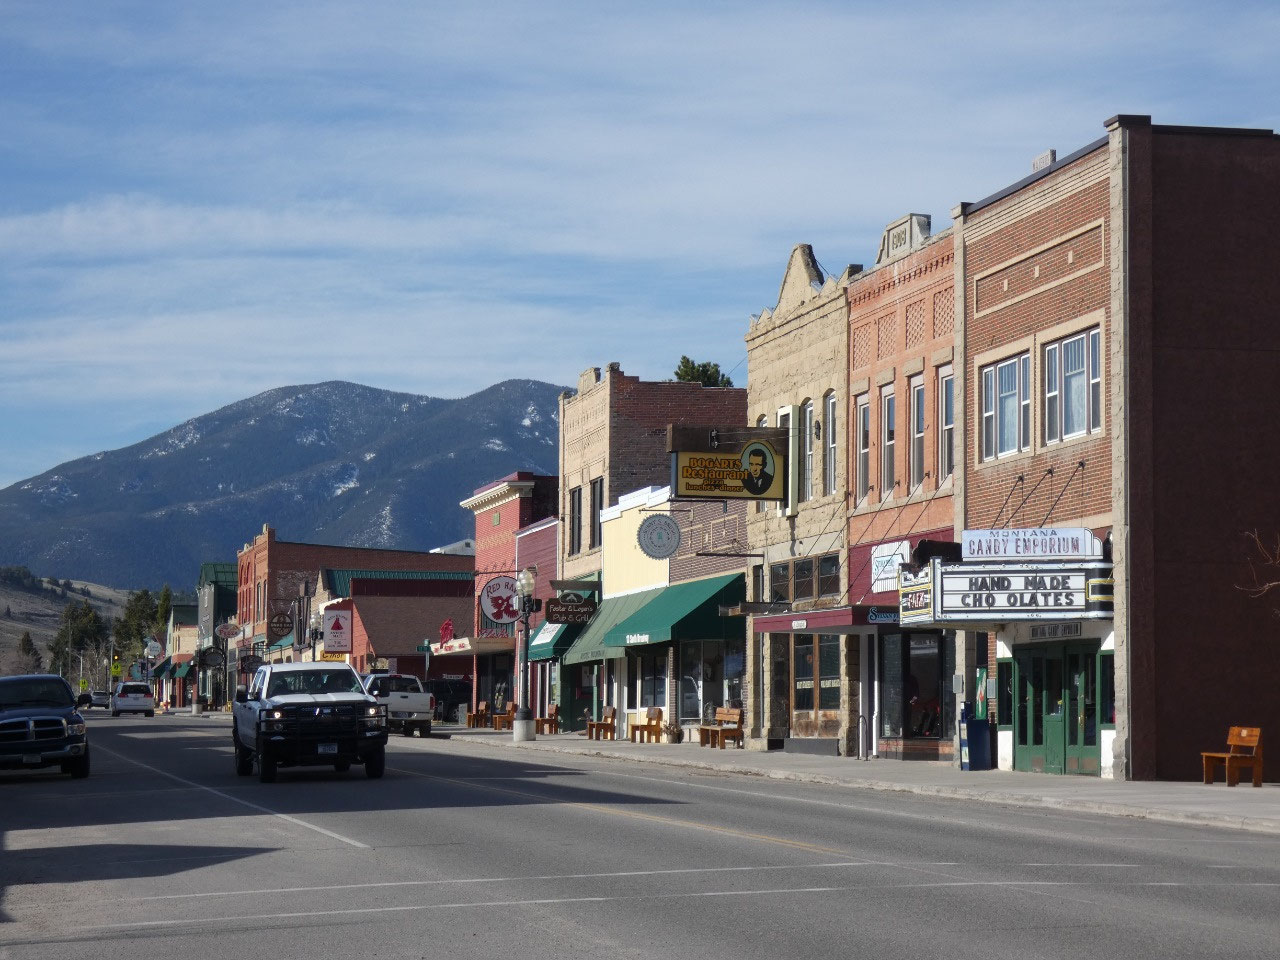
[(409, 708)]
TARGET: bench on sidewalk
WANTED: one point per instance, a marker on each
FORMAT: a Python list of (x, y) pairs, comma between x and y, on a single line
[(479, 717), (606, 728), (550, 723), (504, 720), (1244, 749), (650, 730), (727, 726)]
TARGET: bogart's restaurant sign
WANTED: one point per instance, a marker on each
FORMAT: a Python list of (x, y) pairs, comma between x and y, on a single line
[(740, 463)]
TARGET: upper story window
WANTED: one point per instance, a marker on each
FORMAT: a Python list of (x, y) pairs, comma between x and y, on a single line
[(917, 431), (575, 521), (946, 424), (862, 428), (888, 433), (1006, 407), (1073, 386), (597, 505), (806, 578), (829, 457), (806, 456)]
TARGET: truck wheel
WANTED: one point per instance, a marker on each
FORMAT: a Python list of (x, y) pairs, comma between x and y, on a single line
[(424, 729), (266, 767), (375, 764), (407, 729), (342, 766), (243, 758), (78, 767)]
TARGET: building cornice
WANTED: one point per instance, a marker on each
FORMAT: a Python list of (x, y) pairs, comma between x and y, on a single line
[(496, 496)]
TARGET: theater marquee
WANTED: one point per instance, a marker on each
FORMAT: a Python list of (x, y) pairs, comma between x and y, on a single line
[(1003, 592), (718, 463)]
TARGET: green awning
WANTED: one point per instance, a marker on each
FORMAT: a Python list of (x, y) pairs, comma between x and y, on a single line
[(286, 641), (553, 639), (158, 671), (590, 643), (181, 670), (684, 611)]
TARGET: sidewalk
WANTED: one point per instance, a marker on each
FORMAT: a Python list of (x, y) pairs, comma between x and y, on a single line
[(1242, 808)]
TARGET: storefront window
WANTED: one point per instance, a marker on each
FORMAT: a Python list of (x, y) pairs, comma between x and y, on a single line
[(651, 679), (828, 673), (703, 680), (735, 672), (915, 685), (802, 697)]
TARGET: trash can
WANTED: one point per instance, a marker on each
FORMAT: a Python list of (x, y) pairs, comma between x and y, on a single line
[(975, 740)]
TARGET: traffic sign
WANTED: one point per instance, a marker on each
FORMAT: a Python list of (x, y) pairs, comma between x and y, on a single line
[(115, 670), (84, 684)]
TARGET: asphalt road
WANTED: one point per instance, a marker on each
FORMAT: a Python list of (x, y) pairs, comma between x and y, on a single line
[(466, 851)]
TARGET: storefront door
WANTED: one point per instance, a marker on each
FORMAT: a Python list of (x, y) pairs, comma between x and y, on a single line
[(1055, 718)]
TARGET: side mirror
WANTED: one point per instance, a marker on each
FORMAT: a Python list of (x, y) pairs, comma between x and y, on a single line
[(242, 693), (84, 700)]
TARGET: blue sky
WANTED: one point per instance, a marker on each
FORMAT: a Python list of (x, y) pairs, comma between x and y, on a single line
[(202, 201)]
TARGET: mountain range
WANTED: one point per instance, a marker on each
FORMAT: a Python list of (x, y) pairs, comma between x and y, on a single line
[(331, 462)]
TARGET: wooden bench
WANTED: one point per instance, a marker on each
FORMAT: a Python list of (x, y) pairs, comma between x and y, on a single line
[(606, 728), (504, 720), (650, 730), (1244, 749), (550, 723), (479, 717), (727, 726)]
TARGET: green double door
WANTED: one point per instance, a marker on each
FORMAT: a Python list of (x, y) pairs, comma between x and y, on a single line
[(1055, 716)]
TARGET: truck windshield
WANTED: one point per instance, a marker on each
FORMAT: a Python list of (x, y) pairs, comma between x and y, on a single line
[(34, 692), (314, 681)]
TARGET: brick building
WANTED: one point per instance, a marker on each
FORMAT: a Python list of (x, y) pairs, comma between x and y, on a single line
[(272, 573), (1118, 323), (502, 509)]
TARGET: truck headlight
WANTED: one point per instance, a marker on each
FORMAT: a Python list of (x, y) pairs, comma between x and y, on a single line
[(75, 729), (277, 714)]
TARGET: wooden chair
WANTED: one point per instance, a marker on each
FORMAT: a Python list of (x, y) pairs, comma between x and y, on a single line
[(550, 723), (479, 717), (651, 729), (1244, 749), (727, 726), (606, 728), (504, 719)]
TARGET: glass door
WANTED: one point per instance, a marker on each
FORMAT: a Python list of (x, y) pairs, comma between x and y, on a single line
[(1083, 753)]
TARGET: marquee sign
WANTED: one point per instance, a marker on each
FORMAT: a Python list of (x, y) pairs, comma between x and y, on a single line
[(719, 463), (1060, 543), (945, 593)]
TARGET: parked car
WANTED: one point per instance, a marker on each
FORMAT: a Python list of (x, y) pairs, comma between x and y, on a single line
[(307, 714), (133, 698), (100, 698), (40, 725)]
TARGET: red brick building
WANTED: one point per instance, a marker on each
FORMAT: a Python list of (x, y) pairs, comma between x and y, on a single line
[(1119, 364)]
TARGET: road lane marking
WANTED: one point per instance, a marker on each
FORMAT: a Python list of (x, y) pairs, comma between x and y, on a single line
[(683, 895), (226, 796)]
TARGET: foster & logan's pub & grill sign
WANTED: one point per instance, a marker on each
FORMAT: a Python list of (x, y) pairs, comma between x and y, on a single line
[(1012, 575)]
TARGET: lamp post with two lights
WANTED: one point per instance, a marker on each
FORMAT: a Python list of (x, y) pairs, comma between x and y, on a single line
[(522, 728)]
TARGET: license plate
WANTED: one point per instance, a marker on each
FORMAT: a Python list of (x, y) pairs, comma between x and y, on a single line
[(31, 758), (327, 748)]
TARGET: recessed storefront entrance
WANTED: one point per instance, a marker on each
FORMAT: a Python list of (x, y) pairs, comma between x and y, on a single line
[(1062, 701)]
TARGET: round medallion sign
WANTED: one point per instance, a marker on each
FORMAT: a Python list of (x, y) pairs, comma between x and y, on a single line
[(659, 536), (498, 600)]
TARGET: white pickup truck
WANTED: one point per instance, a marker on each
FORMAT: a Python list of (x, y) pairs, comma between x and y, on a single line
[(409, 708)]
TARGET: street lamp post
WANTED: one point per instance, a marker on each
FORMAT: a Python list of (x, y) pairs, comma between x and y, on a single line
[(522, 728)]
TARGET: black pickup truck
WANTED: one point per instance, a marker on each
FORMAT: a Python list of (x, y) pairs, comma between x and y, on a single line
[(307, 714), (40, 725)]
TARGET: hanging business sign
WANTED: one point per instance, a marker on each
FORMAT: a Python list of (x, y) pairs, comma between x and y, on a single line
[(885, 559), (718, 463), (658, 536), (1059, 543), (337, 631), (498, 600), (915, 596), (570, 608), (228, 631)]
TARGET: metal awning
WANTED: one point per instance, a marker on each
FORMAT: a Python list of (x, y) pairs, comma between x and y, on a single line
[(831, 620), (683, 611)]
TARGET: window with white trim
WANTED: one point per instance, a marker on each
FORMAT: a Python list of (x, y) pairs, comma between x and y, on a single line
[(917, 431), (1073, 386), (1006, 407), (806, 443), (864, 447), (946, 423), (888, 434), (829, 458)]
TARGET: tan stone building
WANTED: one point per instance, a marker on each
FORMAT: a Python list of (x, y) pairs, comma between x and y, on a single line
[(801, 681)]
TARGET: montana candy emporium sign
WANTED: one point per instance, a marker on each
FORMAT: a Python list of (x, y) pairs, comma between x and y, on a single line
[(1003, 592), (1053, 543)]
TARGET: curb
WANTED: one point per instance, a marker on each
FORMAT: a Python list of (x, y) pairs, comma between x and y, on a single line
[(1118, 810)]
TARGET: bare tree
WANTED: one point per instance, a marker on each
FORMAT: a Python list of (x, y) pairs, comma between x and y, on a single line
[(1264, 569)]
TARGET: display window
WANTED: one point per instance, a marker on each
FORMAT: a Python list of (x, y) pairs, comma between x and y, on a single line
[(915, 672)]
